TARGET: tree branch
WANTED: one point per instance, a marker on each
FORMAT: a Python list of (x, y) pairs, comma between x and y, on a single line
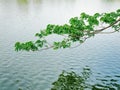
[(106, 32), (46, 48), (100, 30)]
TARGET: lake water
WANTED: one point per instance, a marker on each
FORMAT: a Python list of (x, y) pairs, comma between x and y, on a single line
[(21, 19)]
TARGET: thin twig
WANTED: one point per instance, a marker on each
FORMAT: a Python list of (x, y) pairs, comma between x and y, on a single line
[(100, 30), (106, 32), (80, 43), (46, 48)]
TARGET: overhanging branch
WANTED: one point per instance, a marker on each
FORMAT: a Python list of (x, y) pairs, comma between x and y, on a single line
[(100, 30)]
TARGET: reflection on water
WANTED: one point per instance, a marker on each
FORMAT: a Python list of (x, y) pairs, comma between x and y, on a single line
[(110, 0), (26, 2), (23, 2), (38, 2), (27, 5), (36, 5)]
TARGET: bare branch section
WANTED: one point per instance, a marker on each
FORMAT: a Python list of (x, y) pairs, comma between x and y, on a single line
[(46, 48), (107, 32)]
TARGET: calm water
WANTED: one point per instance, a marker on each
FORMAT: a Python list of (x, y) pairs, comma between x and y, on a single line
[(21, 19)]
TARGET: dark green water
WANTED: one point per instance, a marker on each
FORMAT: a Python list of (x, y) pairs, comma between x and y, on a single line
[(21, 19)]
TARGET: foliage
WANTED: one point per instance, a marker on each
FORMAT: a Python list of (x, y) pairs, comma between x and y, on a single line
[(72, 81), (77, 30)]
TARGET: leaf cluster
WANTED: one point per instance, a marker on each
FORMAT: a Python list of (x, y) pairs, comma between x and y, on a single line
[(77, 30), (71, 81)]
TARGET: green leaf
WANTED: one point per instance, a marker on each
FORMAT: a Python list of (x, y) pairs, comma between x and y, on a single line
[(96, 15), (118, 11), (75, 31)]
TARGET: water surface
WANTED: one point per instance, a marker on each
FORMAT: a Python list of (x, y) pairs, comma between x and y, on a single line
[(21, 19)]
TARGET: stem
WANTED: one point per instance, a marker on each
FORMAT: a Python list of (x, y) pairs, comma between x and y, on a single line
[(100, 30)]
